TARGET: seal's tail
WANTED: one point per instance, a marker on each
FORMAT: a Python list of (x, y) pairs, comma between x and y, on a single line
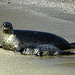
[(72, 45), (67, 53)]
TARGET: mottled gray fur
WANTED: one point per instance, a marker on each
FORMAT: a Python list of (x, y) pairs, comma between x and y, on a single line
[(9, 41)]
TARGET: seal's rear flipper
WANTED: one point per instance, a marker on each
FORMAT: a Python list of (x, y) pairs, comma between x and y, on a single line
[(67, 53), (72, 45)]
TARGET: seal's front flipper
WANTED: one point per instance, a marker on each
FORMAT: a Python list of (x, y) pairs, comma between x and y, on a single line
[(72, 45), (17, 52)]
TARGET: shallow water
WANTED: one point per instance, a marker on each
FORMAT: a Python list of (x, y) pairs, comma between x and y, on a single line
[(49, 16)]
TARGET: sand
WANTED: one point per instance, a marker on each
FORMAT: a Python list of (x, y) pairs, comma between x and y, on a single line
[(31, 17), (15, 64)]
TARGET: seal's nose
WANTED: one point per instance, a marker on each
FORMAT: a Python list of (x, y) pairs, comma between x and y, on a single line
[(5, 26), (5, 29)]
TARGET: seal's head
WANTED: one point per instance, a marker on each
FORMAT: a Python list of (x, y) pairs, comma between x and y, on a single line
[(6, 27)]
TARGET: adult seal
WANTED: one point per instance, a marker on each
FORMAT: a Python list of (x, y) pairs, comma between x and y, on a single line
[(34, 42)]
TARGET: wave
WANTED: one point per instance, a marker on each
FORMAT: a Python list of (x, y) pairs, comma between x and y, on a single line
[(66, 6), (39, 1)]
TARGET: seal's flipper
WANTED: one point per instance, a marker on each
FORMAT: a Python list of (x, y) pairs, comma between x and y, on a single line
[(66, 53), (72, 45)]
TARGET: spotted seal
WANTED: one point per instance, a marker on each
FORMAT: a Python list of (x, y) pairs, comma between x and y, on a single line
[(44, 50), (41, 43)]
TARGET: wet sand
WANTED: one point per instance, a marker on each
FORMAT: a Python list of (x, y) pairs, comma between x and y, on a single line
[(34, 18), (14, 64)]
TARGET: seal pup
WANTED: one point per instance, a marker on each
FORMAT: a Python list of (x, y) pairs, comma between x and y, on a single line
[(18, 40), (44, 50)]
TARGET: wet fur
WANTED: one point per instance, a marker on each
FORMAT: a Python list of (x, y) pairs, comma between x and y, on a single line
[(23, 40)]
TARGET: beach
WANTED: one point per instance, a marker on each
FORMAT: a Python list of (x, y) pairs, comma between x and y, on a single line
[(46, 16)]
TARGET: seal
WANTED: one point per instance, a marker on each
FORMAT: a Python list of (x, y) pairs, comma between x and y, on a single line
[(44, 50), (23, 40)]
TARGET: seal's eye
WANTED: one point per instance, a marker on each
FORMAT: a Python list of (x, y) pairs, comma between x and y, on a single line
[(8, 25)]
